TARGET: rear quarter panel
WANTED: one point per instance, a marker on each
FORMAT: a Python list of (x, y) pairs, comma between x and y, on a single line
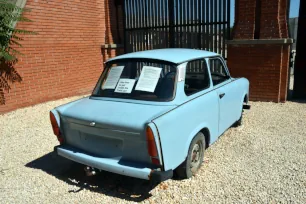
[(242, 85), (178, 127)]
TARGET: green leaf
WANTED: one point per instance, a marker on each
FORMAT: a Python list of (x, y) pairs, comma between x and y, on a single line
[(10, 41)]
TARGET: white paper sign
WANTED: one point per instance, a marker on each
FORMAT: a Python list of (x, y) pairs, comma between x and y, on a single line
[(113, 77), (148, 79), (125, 85)]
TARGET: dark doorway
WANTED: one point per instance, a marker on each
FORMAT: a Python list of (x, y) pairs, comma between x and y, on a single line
[(299, 87), (153, 24)]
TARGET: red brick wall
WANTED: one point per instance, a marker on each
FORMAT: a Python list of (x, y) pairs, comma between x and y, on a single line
[(264, 65), (244, 19), (269, 20), (283, 19), (65, 58), (260, 64)]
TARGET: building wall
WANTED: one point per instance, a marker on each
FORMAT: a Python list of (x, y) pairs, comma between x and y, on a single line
[(64, 58), (263, 60)]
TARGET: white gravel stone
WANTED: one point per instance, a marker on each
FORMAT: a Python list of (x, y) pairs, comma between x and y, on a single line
[(262, 161)]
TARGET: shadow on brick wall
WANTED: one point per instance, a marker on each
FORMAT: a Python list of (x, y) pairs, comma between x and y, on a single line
[(8, 75)]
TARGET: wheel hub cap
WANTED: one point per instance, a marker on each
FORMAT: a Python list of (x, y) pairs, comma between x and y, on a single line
[(195, 157)]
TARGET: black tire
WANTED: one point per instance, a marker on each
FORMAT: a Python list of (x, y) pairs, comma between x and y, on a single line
[(194, 158), (239, 122)]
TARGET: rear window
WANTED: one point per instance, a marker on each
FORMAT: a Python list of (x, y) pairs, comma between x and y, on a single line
[(137, 79)]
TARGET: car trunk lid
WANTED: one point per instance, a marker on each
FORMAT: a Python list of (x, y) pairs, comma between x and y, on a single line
[(109, 128)]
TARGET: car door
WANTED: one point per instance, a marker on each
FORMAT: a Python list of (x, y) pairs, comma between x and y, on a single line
[(226, 90)]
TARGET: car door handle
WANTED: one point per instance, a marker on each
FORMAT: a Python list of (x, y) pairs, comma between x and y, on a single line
[(221, 95)]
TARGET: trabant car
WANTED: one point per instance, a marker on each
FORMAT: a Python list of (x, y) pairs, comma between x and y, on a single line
[(152, 114)]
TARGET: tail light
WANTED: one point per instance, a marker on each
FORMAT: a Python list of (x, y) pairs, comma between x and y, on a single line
[(55, 128), (152, 150)]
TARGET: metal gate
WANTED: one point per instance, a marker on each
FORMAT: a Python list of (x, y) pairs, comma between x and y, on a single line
[(199, 24)]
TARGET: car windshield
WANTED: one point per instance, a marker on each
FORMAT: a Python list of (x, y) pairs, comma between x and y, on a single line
[(139, 79)]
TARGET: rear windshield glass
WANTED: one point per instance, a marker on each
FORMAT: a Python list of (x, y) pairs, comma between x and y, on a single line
[(137, 79)]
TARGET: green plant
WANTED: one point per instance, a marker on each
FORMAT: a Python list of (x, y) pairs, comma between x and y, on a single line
[(10, 41)]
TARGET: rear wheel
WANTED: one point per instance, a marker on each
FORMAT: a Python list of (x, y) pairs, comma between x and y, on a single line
[(194, 158)]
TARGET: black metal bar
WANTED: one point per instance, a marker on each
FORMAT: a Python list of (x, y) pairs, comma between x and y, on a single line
[(142, 24), (219, 29), (228, 25), (203, 21), (228, 19), (166, 23), (191, 27), (130, 45), (146, 23), (186, 22), (124, 27), (199, 19), (171, 21), (132, 14), (131, 25), (158, 23), (207, 27), (224, 28), (152, 31), (162, 23), (153, 39), (211, 30), (180, 27), (156, 34), (136, 10), (176, 44), (126, 3), (215, 49), (136, 24)]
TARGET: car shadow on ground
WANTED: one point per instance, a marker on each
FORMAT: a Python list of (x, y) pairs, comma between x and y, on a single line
[(107, 183)]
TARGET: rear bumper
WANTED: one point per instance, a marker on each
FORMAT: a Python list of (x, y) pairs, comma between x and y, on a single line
[(113, 164)]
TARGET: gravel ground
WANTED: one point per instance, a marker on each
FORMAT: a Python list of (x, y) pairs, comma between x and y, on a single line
[(262, 161)]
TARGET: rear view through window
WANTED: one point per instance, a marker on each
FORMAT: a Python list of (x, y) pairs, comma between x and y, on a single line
[(217, 70), (137, 79), (197, 77)]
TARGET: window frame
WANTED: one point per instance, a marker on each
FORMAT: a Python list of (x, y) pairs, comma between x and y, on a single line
[(106, 68), (208, 75), (225, 67)]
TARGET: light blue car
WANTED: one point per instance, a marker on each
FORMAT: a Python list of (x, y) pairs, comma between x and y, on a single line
[(152, 113)]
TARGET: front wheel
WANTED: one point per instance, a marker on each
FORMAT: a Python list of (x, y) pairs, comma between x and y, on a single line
[(194, 158)]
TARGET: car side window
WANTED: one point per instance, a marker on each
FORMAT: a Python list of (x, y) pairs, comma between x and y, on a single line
[(217, 71), (197, 77)]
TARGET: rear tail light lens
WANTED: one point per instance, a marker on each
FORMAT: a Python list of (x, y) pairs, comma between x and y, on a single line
[(55, 128), (151, 143), (152, 150)]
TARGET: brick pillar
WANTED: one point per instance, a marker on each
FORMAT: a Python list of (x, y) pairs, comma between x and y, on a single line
[(114, 29), (244, 19), (264, 61)]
